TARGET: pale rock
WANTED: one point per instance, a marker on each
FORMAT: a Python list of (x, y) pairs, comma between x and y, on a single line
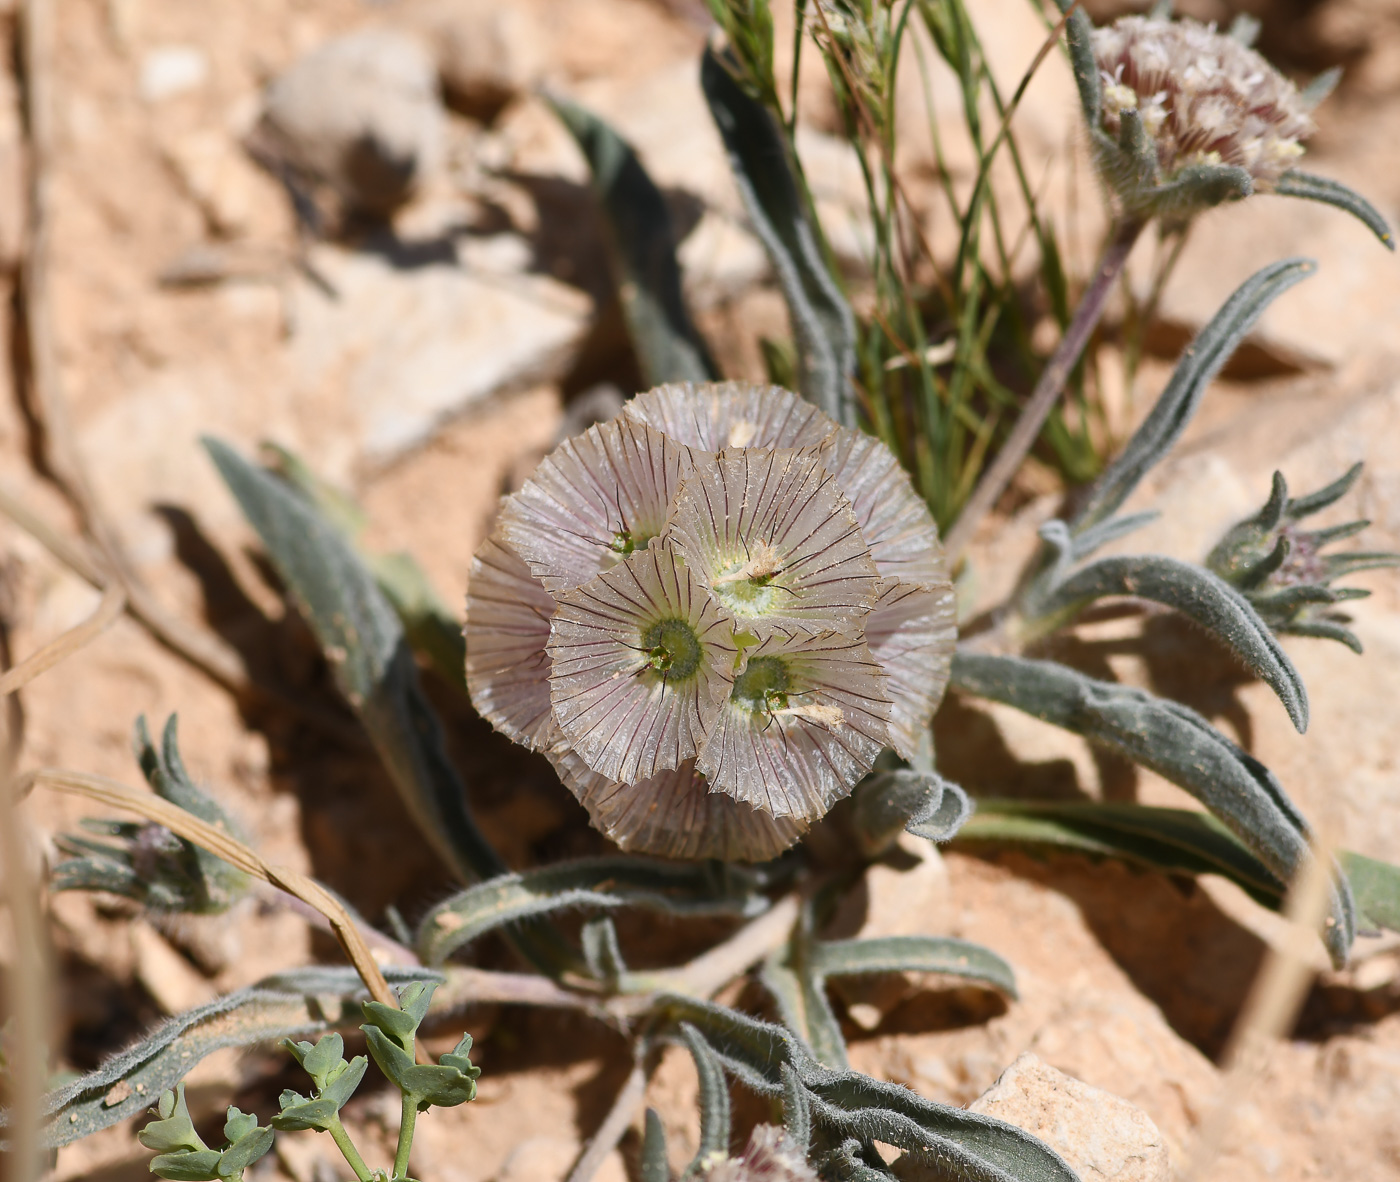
[(218, 178), (360, 114), (720, 259), (171, 70), (1103, 1138), (410, 346), (487, 53), (167, 976)]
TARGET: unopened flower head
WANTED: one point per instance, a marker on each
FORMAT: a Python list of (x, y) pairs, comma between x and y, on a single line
[(1186, 108), (712, 614)]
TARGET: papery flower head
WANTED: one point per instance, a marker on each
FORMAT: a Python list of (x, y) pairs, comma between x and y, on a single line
[(712, 614), (770, 1156), (1203, 98)]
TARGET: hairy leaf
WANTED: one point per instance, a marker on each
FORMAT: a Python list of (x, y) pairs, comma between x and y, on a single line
[(1377, 887), (922, 954), (1173, 741), (643, 248), (276, 1008), (715, 1118), (770, 1060), (1196, 593), (653, 1163), (1176, 841), (673, 887), (822, 322), (1316, 188), (1194, 372), (888, 802)]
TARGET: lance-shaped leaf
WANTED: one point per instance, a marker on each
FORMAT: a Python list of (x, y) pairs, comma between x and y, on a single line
[(642, 245), (1196, 593), (888, 802), (288, 1004), (1176, 743), (1317, 188), (715, 1119), (1175, 841), (1198, 366), (364, 640), (588, 883), (912, 954), (147, 862), (822, 322), (768, 1058), (1377, 887), (789, 974), (654, 1167), (1078, 37)]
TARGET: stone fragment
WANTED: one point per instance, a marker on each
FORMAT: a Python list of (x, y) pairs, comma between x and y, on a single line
[(487, 53), (171, 70), (547, 1159), (361, 115), (1103, 1138)]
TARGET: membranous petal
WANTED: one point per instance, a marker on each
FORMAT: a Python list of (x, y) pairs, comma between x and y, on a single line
[(676, 814), (894, 519), (804, 721), (912, 633), (600, 496), (643, 657), (508, 615), (773, 539), (714, 415)]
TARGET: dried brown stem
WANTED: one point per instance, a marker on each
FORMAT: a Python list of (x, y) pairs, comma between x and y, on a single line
[(64, 646), (231, 850), (615, 1124)]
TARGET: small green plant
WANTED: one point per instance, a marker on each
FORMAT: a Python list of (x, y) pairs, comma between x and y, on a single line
[(182, 1156)]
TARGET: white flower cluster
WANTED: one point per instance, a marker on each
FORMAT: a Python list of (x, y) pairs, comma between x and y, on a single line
[(1204, 98), (712, 613)]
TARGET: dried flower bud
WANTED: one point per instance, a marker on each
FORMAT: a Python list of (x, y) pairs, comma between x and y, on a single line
[(712, 614), (1191, 116), (770, 1156)]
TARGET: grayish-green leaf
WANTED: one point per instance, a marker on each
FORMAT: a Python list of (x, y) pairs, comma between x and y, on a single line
[(1377, 888), (276, 1008), (823, 325), (1175, 841), (673, 887), (1190, 589), (715, 1118), (653, 1163), (1194, 372), (790, 975), (1312, 95), (1078, 37), (888, 802), (602, 951), (797, 1109), (922, 954), (643, 249), (1317, 188), (1175, 742)]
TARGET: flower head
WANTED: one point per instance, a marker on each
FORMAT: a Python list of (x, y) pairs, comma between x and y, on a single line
[(712, 614)]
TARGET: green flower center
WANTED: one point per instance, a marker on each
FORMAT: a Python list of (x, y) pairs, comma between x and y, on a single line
[(763, 687), (745, 585), (671, 647)]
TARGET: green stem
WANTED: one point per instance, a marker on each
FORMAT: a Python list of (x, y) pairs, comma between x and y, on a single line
[(1049, 388), (348, 1150), (406, 1123)]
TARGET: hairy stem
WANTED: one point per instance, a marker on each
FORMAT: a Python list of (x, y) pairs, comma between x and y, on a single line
[(348, 1150), (1048, 389), (406, 1123)]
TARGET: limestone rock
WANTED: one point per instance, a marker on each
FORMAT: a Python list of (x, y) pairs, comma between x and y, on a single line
[(1103, 1138), (547, 1159), (360, 114), (487, 53)]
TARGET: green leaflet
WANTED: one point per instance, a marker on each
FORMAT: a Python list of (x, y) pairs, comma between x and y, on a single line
[(148, 863), (130, 1082), (1377, 888), (822, 322), (1179, 401), (1173, 741), (642, 244), (843, 1104), (673, 887)]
